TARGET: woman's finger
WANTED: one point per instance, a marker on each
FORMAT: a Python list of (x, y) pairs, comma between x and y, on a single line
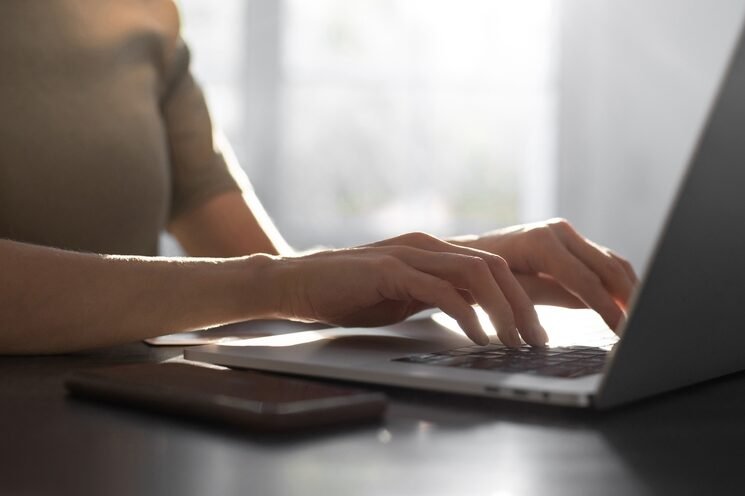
[(583, 283), (527, 319), (627, 267), (491, 284), (411, 284), (543, 290), (612, 274)]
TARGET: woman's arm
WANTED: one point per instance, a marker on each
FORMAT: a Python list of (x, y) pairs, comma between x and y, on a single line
[(228, 225), (54, 301)]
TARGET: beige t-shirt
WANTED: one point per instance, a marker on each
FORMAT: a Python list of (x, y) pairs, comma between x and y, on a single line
[(104, 135)]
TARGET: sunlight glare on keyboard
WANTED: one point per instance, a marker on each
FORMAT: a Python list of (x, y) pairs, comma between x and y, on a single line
[(565, 326)]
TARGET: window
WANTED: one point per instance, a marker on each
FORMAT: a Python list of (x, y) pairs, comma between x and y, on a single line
[(360, 119)]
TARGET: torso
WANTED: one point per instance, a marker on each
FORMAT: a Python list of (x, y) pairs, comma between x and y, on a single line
[(83, 153)]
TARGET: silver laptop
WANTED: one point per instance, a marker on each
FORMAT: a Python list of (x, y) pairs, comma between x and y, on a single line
[(685, 326)]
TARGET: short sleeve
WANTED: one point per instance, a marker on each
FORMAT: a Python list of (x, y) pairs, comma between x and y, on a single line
[(199, 170)]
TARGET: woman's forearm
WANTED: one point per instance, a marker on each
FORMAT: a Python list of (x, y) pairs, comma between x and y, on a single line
[(53, 301)]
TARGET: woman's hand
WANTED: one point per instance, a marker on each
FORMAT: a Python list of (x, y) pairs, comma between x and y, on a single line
[(556, 265), (386, 282)]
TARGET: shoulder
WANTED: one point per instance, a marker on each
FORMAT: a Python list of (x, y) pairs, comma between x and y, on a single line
[(165, 13), (174, 54), (168, 15)]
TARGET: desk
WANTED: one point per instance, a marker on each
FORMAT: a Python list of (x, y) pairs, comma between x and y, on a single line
[(690, 442)]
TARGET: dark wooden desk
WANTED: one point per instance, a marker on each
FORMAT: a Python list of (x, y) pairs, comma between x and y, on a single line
[(691, 442)]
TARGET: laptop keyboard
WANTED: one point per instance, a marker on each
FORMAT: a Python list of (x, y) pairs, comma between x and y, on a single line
[(566, 362)]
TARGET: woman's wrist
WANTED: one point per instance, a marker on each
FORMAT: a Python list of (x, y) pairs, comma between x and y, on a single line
[(275, 286), (255, 287)]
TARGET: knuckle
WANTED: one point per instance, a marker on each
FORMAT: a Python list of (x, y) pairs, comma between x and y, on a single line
[(475, 265), (560, 223), (418, 238), (562, 227), (544, 235), (499, 263)]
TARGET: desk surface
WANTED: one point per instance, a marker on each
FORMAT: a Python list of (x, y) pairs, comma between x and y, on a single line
[(690, 442)]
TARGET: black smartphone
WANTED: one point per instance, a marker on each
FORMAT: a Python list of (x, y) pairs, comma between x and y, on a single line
[(242, 398)]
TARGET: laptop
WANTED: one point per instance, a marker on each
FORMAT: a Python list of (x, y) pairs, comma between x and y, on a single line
[(686, 323)]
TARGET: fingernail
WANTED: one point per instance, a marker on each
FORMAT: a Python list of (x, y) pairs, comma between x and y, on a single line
[(540, 334)]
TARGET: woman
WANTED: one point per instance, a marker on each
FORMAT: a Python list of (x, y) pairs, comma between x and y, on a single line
[(105, 140)]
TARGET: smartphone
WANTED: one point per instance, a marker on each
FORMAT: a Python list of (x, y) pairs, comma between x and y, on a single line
[(241, 398)]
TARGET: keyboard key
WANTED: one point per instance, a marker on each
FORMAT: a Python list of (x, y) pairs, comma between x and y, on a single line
[(566, 362)]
